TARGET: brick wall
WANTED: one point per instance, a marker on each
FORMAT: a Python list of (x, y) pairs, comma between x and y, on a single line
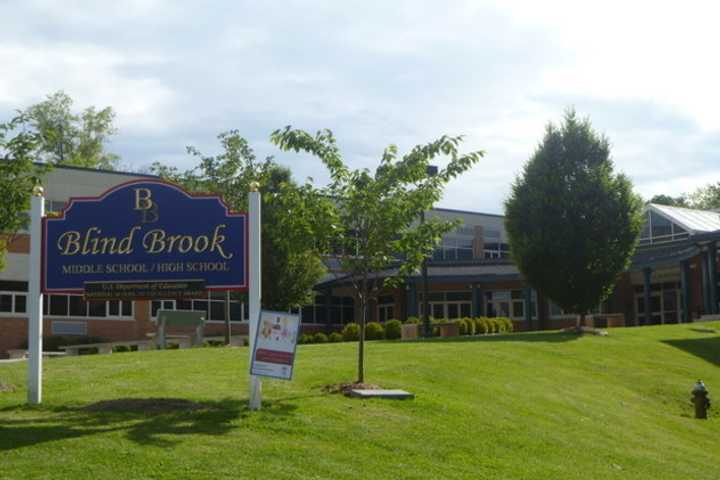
[(13, 334), (19, 243)]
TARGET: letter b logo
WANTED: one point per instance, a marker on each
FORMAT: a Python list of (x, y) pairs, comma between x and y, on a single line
[(144, 204), (142, 199)]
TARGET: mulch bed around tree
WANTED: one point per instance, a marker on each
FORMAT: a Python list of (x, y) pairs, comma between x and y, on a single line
[(345, 388), (7, 387)]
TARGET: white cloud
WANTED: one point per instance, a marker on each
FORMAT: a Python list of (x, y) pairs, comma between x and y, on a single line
[(92, 75), (378, 73)]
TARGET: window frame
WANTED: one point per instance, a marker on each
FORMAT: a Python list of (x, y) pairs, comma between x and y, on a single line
[(13, 303)]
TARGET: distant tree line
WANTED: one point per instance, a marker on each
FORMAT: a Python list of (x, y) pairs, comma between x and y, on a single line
[(703, 198)]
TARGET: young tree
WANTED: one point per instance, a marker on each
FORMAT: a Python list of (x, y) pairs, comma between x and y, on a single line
[(18, 176), (377, 211), (68, 138), (572, 222), (296, 218)]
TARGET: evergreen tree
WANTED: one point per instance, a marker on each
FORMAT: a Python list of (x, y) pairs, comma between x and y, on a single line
[(572, 222)]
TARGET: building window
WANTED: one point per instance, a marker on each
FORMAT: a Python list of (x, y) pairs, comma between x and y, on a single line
[(508, 303), (447, 305), (385, 308), (339, 310), (13, 297), (13, 302), (454, 248), (54, 206), (76, 306), (496, 250), (658, 229), (213, 306)]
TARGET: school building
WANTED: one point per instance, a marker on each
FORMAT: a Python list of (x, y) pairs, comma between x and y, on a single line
[(674, 273)]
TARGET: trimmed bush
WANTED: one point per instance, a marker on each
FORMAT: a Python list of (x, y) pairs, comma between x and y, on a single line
[(462, 326), (393, 329), (505, 324), (351, 332), (320, 337), (120, 349), (481, 325), (374, 331), (305, 339), (470, 325), (412, 320), (492, 325), (335, 337)]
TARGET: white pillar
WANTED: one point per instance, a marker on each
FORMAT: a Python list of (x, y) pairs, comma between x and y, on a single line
[(35, 299), (255, 293)]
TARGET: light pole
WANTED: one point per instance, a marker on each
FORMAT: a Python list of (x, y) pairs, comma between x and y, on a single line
[(432, 170)]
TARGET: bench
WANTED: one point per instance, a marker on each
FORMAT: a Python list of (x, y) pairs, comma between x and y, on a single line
[(105, 348), (23, 354), (15, 354)]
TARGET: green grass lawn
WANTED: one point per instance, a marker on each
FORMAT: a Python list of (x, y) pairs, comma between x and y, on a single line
[(534, 406)]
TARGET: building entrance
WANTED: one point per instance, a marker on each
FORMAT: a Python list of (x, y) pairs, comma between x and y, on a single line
[(665, 303)]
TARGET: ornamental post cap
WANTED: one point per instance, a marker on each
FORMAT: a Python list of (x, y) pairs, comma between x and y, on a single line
[(38, 191), (254, 186)]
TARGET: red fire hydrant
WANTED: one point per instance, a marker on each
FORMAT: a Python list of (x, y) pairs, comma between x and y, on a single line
[(700, 399)]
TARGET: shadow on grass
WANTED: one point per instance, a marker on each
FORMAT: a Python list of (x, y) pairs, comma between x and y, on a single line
[(547, 336), (706, 348), (146, 421)]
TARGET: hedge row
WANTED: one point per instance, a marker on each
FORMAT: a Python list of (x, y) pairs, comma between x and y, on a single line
[(484, 325), (391, 330), (474, 326)]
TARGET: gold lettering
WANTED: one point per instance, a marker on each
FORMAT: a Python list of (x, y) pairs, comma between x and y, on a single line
[(217, 240), (86, 248), (108, 241), (154, 241), (151, 215), (69, 243), (205, 242), (142, 199), (171, 242), (125, 244), (185, 244)]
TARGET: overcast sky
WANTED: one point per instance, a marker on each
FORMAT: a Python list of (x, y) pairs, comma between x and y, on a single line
[(403, 72)]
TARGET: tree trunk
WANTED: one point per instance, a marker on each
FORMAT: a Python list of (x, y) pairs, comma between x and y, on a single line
[(361, 345), (580, 322)]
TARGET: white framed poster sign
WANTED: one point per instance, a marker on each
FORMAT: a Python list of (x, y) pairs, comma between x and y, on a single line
[(275, 345)]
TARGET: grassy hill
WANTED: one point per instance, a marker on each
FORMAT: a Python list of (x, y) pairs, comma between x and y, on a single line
[(532, 406)]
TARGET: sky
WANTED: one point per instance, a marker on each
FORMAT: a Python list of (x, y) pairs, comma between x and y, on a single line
[(399, 72)]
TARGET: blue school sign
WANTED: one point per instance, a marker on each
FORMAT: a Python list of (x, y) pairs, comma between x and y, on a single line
[(145, 231)]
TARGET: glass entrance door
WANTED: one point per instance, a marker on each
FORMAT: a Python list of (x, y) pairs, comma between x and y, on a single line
[(655, 309), (665, 305)]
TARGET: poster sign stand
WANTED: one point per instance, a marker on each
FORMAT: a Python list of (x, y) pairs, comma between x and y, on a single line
[(275, 345)]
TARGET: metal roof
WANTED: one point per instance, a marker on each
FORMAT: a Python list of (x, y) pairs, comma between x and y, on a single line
[(694, 221)]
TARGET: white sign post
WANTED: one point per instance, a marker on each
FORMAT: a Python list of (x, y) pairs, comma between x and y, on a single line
[(255, 292), (35, 299), (275, 345)]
